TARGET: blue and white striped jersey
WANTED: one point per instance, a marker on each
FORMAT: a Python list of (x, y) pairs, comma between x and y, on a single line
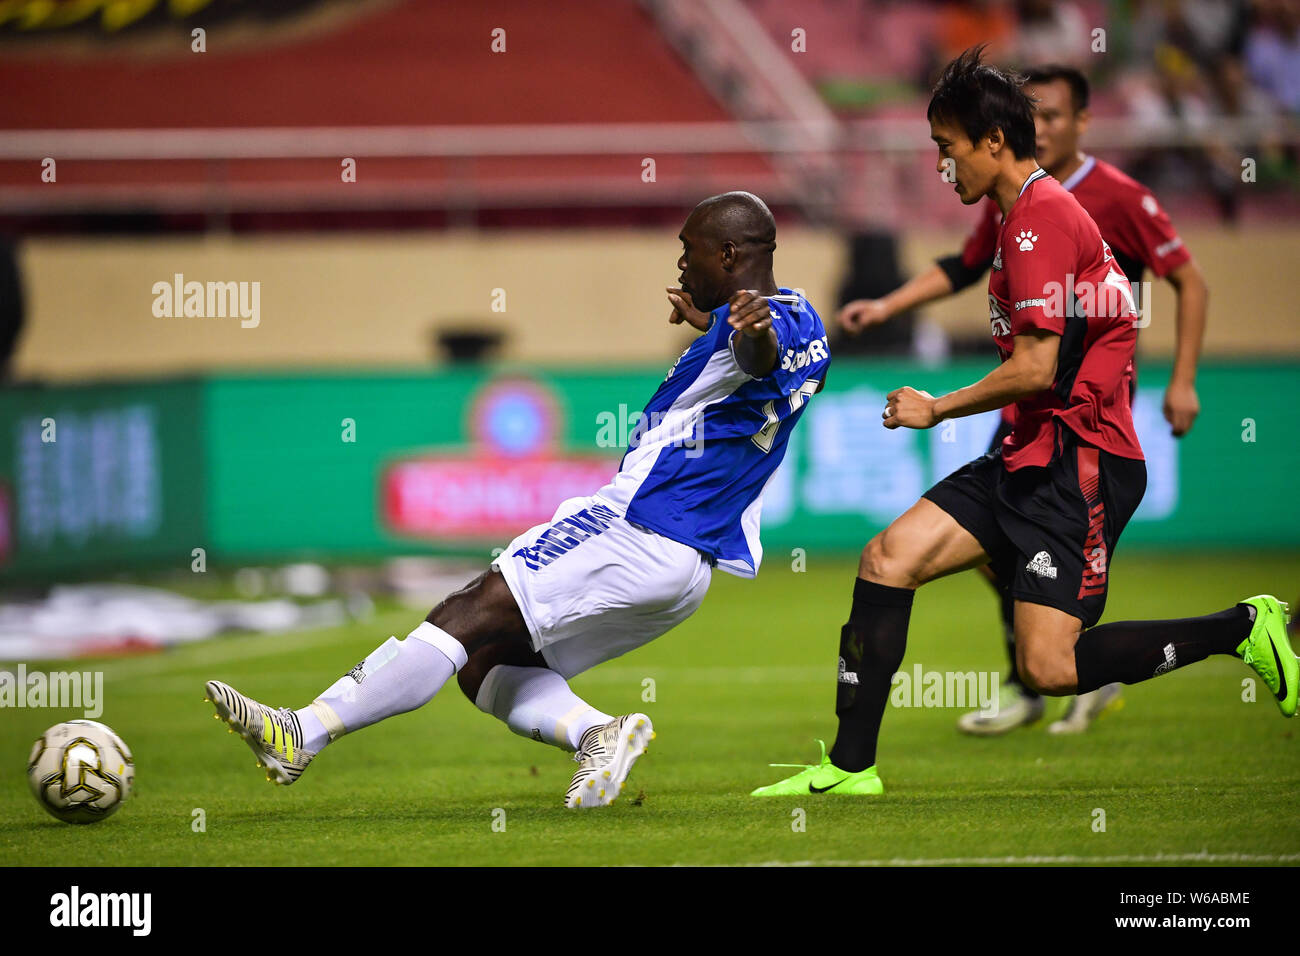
[(712, 436)]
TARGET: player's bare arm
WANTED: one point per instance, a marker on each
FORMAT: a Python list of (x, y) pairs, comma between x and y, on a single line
[(861, 314), (1030, 369), (684, 310), (756, 346), (1181, 405)]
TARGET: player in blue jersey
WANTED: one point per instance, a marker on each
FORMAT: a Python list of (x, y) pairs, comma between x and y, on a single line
[(615, 570)]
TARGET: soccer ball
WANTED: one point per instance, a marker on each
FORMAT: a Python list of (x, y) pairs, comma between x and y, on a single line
[(80, 771)]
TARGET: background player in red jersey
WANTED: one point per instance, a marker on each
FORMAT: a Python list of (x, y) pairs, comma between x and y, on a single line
[(1141, 237), (1048, 506)]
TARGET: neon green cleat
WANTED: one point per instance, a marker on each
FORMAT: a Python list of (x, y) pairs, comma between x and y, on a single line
[(275, 736), (1269, 652), (823, 777)]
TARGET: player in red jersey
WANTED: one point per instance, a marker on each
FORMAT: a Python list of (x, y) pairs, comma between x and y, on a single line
[(1141, 237), (1048, 506)]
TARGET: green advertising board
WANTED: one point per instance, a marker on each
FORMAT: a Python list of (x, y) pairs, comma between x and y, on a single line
[(99, 477), (358, 466)]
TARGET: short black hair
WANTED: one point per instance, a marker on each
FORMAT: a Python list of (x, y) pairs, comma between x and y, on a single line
[(981, 98), (1052, 72)]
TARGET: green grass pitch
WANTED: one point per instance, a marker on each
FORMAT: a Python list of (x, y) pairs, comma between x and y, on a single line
[(1186, 771)]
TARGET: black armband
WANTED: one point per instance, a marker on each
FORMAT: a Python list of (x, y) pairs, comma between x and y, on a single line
[(960, 274)]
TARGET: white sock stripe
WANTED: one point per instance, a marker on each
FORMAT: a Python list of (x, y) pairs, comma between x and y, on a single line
[(562, 725), (443, 642), (328, 718), (486, 697)]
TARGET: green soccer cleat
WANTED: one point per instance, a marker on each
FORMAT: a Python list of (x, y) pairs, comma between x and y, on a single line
[(823, 777), (1269, 652)]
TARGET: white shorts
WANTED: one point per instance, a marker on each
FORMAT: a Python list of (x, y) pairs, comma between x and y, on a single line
[(592, 586)]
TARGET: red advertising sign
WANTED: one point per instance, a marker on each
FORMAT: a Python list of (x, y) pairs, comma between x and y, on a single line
[(486, 498)]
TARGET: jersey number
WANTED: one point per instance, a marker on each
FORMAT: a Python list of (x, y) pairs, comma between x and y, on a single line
[(766, 435)]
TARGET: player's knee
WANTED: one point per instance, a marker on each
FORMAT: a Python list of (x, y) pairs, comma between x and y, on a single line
[(884, 562), (470, 678), (1047, 671)]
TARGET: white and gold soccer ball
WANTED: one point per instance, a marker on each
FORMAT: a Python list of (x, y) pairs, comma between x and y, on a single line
[(80, 771)]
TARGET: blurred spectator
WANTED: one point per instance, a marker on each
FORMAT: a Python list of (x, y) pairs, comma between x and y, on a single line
[(965, 24), (1204, 30), (1272, 50), (1195, 76), (1049, 32)]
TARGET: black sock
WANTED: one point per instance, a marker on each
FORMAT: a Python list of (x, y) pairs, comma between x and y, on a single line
[(1134, 651), (871, 651)]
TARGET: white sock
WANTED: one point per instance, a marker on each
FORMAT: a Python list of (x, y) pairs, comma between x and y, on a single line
[(395, 677), (536, 703)]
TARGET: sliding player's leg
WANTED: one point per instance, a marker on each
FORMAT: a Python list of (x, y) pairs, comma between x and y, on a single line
[(536, 702), (479, 623), (591, 587), (599, 588), (924, 543)]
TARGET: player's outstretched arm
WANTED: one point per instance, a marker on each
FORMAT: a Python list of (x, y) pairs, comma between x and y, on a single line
[(929, 285), (1031, 368), (684, 310), (756, 346), (1181, 405)]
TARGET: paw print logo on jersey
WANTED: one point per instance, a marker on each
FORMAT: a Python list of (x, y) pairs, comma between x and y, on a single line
[(1027, 240)]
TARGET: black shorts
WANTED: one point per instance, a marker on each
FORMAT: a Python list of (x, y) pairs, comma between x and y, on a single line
[(1050, 532)]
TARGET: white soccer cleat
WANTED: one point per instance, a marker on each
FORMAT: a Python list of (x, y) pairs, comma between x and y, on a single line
[(605, 757), (1086, 708), (274, 735), (1015, 709)]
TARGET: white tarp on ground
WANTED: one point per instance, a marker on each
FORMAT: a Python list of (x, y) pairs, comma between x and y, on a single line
[(81, 620)]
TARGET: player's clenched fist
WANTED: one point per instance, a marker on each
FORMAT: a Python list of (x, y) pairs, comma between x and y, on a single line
[(862, 314), (750, 314), (909, 408), (1181, 407)]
